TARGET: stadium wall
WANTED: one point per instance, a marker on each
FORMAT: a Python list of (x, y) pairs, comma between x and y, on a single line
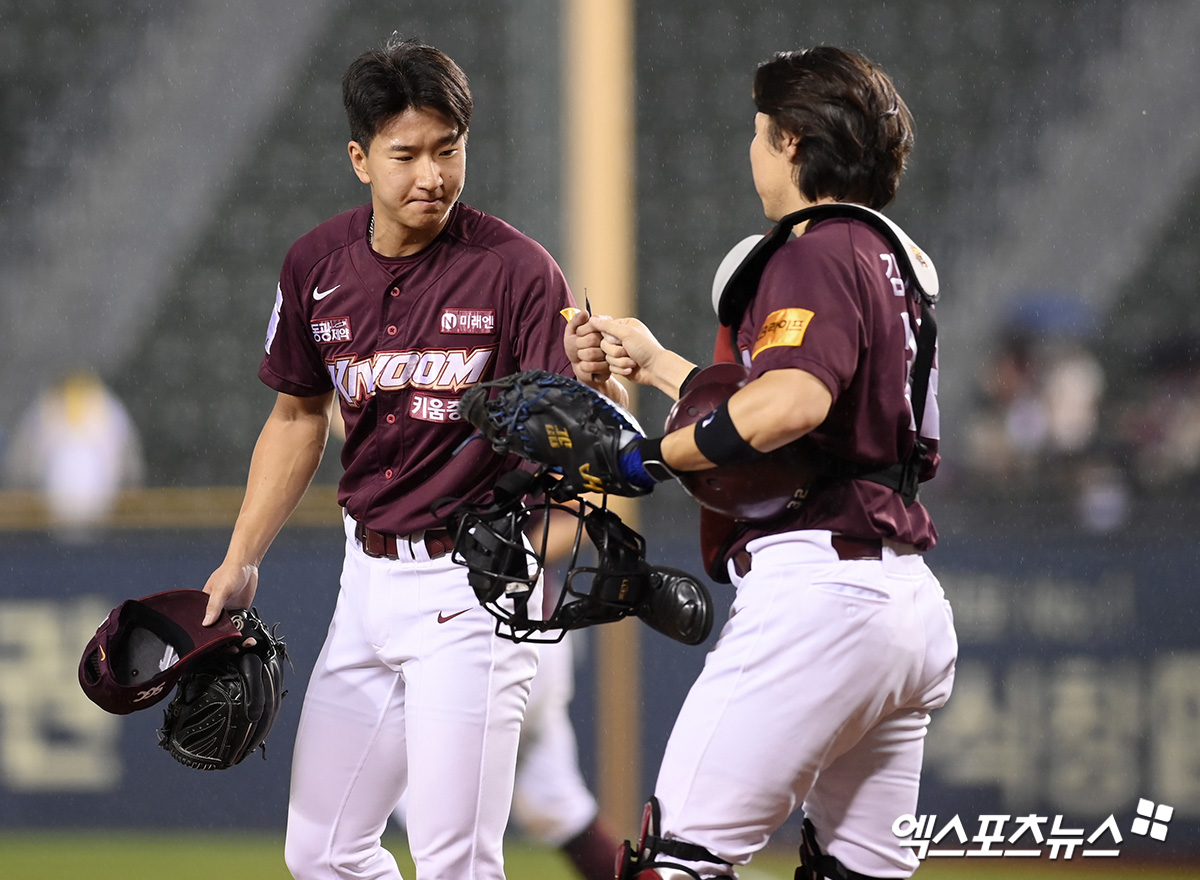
[(1078, 691)]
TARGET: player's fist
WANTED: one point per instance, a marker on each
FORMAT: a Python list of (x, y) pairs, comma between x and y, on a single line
[(583, 344), (629, 347)]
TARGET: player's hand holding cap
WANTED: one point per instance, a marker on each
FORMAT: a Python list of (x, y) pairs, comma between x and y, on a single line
[(139, 653)]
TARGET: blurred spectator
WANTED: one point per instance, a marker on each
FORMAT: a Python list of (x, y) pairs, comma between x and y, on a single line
[(79, 447), (1037, 423), (1071, 391), (1008, 428)]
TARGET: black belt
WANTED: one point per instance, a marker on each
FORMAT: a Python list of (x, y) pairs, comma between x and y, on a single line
[(381, 545), (846, 548)]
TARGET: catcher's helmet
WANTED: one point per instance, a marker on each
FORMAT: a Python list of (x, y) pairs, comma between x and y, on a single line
[(752, 490)]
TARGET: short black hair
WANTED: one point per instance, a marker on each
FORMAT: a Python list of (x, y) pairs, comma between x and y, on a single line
[(854, 129), (403, 73)]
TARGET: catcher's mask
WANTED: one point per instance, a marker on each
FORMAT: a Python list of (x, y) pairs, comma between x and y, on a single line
[(505, 568)]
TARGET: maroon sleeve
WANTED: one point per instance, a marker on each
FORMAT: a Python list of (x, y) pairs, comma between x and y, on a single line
[(806, 316), (292, 363), (540, 294)]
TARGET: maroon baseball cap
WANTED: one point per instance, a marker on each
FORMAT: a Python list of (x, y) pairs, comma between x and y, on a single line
[(145, 645)]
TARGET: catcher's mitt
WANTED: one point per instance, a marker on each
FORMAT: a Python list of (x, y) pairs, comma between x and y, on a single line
[(224, 708), (558, 422)]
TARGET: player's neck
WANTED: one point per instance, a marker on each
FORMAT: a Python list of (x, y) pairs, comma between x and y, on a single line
[(401, 241)]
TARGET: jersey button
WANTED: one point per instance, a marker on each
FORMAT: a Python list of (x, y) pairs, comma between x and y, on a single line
[(388, 473), (391, 330), (391, 418), (395, 291)]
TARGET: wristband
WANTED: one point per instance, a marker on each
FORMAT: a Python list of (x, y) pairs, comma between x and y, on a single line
[(718, 439), (650, 449)]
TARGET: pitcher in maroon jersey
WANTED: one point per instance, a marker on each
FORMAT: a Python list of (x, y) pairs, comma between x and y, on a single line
[(392, 310)]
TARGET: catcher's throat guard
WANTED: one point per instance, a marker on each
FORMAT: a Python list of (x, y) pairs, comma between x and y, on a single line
[(504, 569)]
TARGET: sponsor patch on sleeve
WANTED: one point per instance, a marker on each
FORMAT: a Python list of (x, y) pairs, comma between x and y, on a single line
[(329, 330), (783, 327)]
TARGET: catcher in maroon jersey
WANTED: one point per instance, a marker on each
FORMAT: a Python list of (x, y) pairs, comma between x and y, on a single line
[(392, 310), (839, 643)]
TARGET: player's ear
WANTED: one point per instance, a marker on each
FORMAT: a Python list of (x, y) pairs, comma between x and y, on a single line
[(788, 145), (358, 159)]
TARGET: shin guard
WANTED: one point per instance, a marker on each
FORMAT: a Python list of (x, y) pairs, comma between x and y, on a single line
[(647, 862), (816, 864)]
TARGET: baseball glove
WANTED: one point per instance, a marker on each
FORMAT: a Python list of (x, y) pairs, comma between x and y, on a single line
[(224, 708), (560, 423)]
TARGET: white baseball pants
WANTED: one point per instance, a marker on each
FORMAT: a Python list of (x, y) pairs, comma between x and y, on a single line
[(552, 801), (411, 691), (817, 693)]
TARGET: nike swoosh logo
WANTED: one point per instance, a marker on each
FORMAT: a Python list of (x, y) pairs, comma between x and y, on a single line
[(442, 618), (708, 421), (321, 294)]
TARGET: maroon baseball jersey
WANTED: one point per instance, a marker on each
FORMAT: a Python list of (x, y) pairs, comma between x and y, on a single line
[(833, 302), (399, 340)]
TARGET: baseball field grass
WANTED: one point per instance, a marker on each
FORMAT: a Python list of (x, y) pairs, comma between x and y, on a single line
[(39, 855)]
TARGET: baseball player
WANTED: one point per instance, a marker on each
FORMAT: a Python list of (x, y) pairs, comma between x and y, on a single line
[(840, 641), (395, 308)]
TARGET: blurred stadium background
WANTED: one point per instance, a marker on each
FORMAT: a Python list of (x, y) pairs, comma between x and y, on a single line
[(157, 159)]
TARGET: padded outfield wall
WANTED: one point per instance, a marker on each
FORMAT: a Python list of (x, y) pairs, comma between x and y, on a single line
[(1078, 691)]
